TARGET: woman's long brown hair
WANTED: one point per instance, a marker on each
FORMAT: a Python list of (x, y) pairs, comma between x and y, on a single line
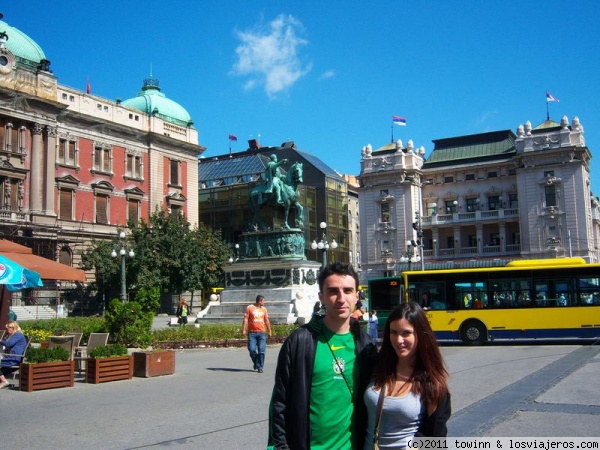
[(430, 377)]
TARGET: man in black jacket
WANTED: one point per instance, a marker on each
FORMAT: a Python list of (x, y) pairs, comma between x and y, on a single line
[(322, 371)]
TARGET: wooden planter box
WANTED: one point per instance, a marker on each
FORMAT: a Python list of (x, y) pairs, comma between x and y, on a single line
[(153, 364), (102, 370), (35, 377)]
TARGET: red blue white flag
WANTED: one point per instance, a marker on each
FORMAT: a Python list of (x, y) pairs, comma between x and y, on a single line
[(551, 98), (232, 137), (399, 120)]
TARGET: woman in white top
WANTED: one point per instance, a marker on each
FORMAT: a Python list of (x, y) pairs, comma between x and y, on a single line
[(411, 370)]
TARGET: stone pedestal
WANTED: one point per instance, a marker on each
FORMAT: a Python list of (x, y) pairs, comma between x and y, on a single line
[(289, 285)]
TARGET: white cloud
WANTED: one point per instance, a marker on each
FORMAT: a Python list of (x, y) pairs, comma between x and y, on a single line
[(328, 74), (270, 58)]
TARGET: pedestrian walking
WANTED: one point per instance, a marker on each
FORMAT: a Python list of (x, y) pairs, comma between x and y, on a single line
[(256, 324), (182, 313), (373, 325), (322, 370)]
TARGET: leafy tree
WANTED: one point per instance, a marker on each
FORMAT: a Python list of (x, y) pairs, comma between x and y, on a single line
[(169, 257)]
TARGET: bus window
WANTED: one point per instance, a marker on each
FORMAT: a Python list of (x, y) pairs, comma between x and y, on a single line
[(563, 292), (589, 291), (471, 295), (431, 295)]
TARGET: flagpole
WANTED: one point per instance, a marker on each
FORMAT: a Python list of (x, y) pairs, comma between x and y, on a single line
[(547, 109), (392, 132)]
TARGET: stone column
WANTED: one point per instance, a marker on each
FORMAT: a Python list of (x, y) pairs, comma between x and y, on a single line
[(49, 191), (35, 174)]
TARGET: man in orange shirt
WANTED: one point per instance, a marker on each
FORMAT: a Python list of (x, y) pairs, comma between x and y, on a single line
[(256, 324)]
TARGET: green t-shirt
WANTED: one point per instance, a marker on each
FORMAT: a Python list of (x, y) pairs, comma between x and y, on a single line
[(331, 403)]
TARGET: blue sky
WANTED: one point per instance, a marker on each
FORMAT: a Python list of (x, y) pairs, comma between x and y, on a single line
[(331, 74)]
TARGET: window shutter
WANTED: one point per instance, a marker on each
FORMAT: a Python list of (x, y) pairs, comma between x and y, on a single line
[(66, 205), (101, 209)]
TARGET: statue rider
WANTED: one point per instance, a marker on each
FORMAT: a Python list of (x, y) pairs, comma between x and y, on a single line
[(274, 177)]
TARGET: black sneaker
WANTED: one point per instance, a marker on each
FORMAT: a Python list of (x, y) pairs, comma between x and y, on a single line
[(260, 371)]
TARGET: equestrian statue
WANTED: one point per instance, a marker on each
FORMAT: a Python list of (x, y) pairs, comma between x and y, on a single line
[(278, 192)]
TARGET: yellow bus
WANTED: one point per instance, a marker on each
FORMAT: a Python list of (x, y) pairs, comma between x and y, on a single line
[(527, 299)]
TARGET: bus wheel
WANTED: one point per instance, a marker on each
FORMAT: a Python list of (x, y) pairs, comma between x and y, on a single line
[(473, 332)]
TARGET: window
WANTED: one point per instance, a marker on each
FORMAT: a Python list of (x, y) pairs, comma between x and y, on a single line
[(133, 167), (470, 177), (67, 152), (174, 171), (176, 209), (472, 204), (548, 173), (12, 137), (102, 159), (9, 194), (451, 207), (385, 212), (493, 174), (550, 195), (513, 201), (65, 256), (448, 179), (493, 202), (102, 209), (66, 204), (133, 210)]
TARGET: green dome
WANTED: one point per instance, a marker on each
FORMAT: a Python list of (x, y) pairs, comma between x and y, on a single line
[(151, 101), (20, 44)]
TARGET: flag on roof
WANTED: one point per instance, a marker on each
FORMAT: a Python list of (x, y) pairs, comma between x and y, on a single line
[(88, 87), (399, 120), (551, 98), (232, 137)]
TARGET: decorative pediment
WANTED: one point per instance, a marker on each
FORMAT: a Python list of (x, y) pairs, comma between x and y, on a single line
[(176, 198), (103, 187), (134, 193), (67, 181)]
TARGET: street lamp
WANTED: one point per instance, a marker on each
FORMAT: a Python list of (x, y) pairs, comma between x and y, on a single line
[(122, 253), (324, 243), (236, 252), (410, 255)]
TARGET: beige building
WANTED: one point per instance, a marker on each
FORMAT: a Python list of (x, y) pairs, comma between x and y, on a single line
[(479, 198)]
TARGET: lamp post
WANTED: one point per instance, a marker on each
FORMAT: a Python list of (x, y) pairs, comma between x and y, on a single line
[(324, 243), (410, 255), (122, 253), (236, 252)]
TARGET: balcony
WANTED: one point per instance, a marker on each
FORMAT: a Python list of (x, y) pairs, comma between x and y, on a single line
[(473, 216), (472, 252)]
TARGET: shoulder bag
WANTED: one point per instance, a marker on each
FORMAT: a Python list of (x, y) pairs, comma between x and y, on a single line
[(378, 418)]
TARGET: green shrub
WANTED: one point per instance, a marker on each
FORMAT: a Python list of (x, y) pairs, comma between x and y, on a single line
[(59, 327), (108, 351), (128, 324), (212, 332), (45, 355)]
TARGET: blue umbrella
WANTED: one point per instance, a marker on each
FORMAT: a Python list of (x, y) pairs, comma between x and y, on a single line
[(16, 277)]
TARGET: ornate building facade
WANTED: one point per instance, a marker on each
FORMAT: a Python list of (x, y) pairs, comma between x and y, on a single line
[(75, 166), (479, 198)]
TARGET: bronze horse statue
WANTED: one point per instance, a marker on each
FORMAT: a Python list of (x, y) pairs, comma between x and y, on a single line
[(289, 196)]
